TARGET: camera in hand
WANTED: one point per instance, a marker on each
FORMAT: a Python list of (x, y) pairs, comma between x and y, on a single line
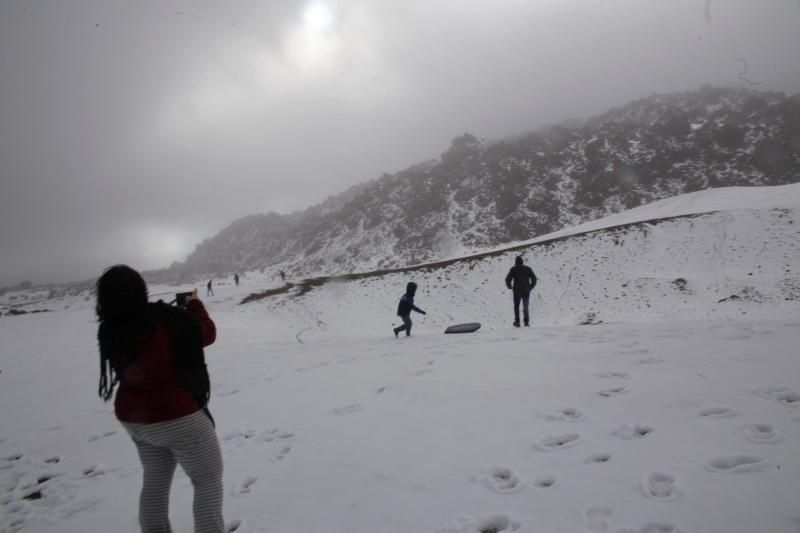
[(180, 298)]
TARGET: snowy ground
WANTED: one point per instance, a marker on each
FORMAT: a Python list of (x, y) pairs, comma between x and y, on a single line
[(677, 409)]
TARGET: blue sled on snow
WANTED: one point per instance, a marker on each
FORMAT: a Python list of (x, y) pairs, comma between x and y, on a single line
[(469, 327)]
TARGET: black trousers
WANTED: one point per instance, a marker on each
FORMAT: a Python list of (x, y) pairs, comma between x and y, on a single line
[(525, 298), (406, 325)]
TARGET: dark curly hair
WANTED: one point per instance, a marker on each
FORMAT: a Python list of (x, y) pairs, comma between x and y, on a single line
[(122, 312), (121, 292)]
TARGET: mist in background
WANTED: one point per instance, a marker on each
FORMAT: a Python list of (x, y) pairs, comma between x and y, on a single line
[(130, 131)]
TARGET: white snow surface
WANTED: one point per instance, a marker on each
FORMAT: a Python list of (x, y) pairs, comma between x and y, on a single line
[(675, 407)]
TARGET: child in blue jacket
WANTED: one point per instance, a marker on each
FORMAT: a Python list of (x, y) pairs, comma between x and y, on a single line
[(404, 309)]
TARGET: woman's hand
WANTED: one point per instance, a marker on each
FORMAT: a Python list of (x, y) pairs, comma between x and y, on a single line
[(192, 296)]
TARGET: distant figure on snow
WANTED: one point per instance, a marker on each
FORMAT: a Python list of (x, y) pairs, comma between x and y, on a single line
[(236, 279), (210, 288), (405, 307), (282, 274), (521, 280)]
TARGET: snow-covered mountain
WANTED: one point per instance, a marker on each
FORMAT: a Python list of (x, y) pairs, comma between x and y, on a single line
[(657, 392), (481, 194)]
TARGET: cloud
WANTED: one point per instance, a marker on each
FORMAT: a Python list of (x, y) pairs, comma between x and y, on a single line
[(120, 116)]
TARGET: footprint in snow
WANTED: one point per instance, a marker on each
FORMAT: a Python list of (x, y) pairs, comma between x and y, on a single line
[(558, 442), (598, 512), (491, 524), (422, 372), (99, 436), (608, 393), (659, 486), (500, 480), (597, 518), (230, 392), (236, 525), (781, 395), (649, 361), (7, 462), (717, 412), (614, 375), (347, 409), (275, 435), (546, 482), (598, 458), (738, 463), (761, 434), (282, 453), (94, 471), (567, 414), (45, 477), (243, 487), (633, 431), (238, 438), (271, 435)]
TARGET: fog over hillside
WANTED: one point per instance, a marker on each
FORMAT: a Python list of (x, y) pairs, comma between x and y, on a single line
[(485, 193)]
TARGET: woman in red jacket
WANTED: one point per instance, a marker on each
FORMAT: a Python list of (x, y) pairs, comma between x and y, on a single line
[(154, 352)]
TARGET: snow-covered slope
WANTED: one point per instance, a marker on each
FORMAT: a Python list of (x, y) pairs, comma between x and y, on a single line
[(700, 202), (698, 255), (677, 410)]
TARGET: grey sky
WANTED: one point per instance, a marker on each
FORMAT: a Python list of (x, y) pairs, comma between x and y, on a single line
[(130, 131)]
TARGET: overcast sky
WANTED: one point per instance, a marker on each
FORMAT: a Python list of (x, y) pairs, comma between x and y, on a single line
[(130, 131)]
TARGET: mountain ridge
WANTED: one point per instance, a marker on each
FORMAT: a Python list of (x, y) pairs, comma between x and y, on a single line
[(482, 194)]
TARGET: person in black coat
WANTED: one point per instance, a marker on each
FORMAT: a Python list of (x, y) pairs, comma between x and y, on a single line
[(521, 280), (405, 307)]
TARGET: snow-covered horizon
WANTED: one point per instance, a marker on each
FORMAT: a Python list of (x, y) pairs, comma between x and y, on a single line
[(658, 392)]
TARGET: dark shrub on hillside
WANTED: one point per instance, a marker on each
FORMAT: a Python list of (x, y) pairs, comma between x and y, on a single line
[(771, 158), (729, 136)]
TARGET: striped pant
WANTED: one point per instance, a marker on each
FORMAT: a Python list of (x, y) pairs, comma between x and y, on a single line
[(192, 442)]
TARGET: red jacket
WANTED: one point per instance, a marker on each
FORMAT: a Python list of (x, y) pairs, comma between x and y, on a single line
[(150, 390)]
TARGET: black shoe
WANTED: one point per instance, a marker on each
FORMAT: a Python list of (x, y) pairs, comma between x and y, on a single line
[(395, 333), (527, 325), (516, 323)]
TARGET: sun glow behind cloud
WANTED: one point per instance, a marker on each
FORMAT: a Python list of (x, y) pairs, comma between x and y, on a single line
[(314, 43), (159, 245), (321, 53), (318, 16)]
